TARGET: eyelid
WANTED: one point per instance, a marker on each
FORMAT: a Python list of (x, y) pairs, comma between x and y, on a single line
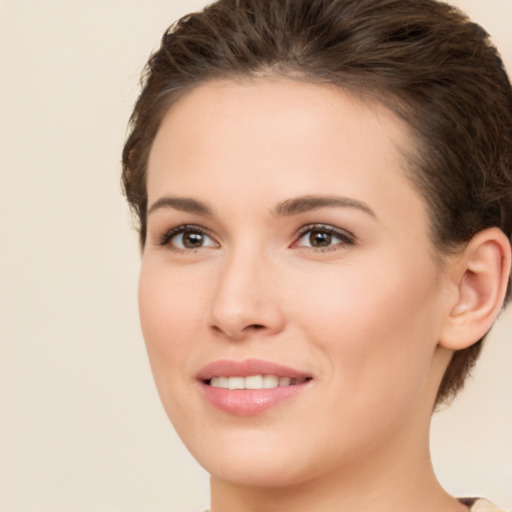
[(346, 237), (164, 239)]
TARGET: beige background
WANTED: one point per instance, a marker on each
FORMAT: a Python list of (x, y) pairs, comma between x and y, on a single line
[(81, 426)]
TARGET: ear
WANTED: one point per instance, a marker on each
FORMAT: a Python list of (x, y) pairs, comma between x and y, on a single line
[(479, 283)]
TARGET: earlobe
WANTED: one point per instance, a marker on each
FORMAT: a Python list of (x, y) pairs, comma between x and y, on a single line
[(480, 282)]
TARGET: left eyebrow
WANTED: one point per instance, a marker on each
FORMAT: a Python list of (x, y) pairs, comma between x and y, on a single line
[(308, 203), (184, 204)]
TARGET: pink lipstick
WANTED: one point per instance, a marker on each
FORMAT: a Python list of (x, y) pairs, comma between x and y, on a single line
[(251, 386)]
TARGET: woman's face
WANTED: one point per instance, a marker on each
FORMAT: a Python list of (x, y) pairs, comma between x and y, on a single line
[(288, 253)]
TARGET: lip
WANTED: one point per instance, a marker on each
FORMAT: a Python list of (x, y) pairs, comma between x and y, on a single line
[(246, 368), (249, 402)]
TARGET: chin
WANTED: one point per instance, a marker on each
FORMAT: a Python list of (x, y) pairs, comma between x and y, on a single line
[(269, 473), (251, 458)]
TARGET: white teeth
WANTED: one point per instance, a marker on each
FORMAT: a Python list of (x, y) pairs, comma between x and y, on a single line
[(223, 382), (284, 381), (270, 381), (253, 382), (215, 382), (236, 383)]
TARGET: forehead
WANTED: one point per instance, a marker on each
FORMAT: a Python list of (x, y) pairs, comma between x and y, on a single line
[(236, 110), (269, 136)]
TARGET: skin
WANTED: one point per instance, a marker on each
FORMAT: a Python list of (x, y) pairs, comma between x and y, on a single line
[(363, 315)]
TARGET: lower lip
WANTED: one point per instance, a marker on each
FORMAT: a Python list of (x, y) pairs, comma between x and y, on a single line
[(250, 402)]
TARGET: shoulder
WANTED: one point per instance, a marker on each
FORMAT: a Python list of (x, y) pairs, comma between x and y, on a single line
[(480, 505)]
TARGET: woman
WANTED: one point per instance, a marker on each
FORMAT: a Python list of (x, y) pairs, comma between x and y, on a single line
[(325, 205)]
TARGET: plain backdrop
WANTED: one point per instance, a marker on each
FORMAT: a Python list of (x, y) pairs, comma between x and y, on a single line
[(81, 425)]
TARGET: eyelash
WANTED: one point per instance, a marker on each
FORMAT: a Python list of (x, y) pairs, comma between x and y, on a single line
[(346, 238), (166, 238)]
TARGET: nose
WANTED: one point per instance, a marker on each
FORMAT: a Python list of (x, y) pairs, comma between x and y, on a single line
[(245, 299)]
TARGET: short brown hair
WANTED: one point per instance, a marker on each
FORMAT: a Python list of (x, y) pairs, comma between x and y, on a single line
[(423, 59)]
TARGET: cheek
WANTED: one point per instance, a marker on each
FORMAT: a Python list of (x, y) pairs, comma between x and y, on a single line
[(377, 327), (169, 312), (170, 316)]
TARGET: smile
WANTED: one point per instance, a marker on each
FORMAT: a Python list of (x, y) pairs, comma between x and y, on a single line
[(250, 387), (254, 382)]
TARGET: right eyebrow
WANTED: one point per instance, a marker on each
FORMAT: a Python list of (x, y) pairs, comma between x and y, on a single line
[(308, 203), (184, 204)]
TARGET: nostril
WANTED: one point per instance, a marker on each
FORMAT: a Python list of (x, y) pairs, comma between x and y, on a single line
[(246, 329)]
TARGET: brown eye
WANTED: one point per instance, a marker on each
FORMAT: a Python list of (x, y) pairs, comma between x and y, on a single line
[(192, 240), (324, 237), (187, 238), (319, 238)]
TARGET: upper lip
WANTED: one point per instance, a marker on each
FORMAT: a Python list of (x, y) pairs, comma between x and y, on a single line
[(246, 368)]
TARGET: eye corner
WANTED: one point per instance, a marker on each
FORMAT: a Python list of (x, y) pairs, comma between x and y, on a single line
[(329, 238), (174, 239)]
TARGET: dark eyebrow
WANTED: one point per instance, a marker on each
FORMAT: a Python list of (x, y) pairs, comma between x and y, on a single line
[(184, 204), (304, 204)]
